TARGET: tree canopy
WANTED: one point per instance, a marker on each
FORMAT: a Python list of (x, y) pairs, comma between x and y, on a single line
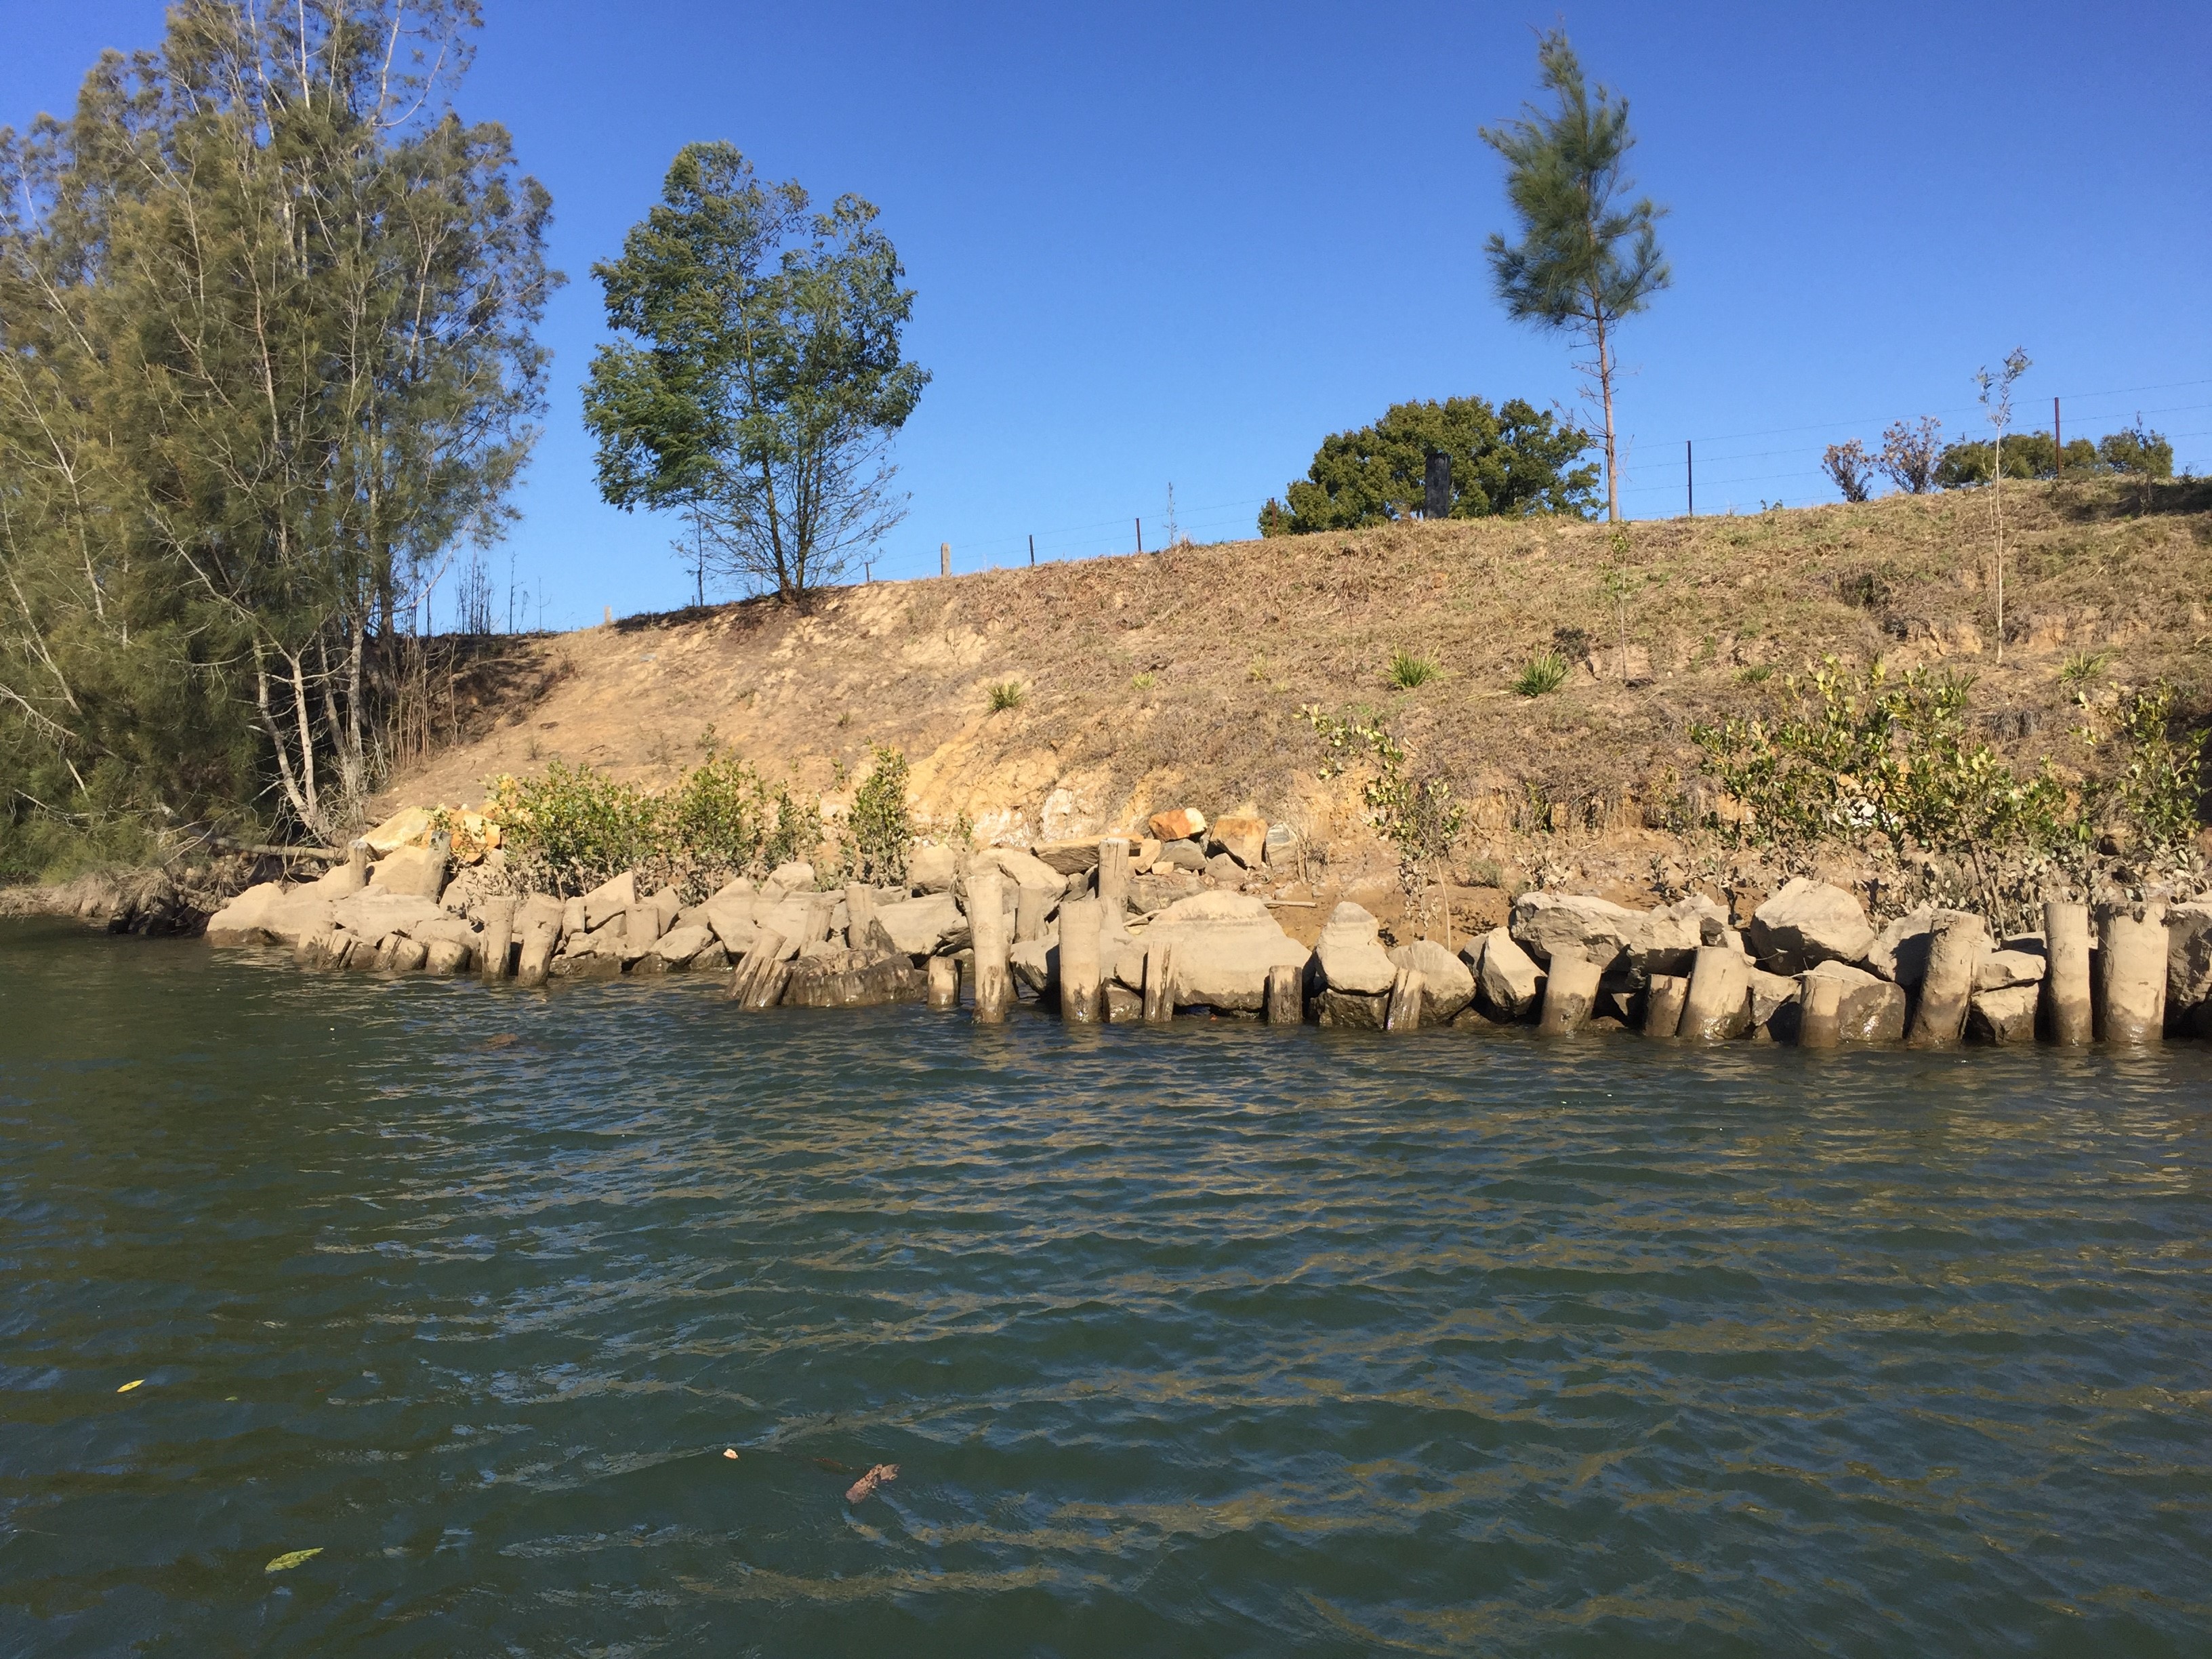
[(758, 380), (1505, 461), (1588, 256), (265, 361)]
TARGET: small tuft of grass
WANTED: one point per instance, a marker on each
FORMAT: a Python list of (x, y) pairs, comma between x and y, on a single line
[(2082, 667), (1409, 671), (1007, 694), (1143, 682), (1757, 675), (1546, 672)]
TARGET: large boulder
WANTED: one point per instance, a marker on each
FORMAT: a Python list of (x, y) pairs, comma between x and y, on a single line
[(1350, 955), (1024, 869), (1807, 923), (418, 871), (1447, 983), (2188, 968), (918, 926), (1351, 1009), (680, 947), (610, 898), (1770, 994), (853, 979), (2005, 969), (796, 877), (1070, 857), (1183, 855), (1149, 894), (1222, 947), (1183, 823), (1667, 940), (1035, 964), (2007, 1015), (1242, 835), (1508, 980), (930, 868), (409, 827), (243, 920), (1900, 951), (1600, 929), (375, 912)]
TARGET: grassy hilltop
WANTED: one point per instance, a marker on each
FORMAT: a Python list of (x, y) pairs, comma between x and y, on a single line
[(1127, 684)]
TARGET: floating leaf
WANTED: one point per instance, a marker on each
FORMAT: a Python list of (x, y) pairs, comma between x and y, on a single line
[(127, 1387), (292, 1559), (865, 1487)]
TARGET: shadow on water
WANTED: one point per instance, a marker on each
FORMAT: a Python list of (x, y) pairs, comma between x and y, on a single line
[(1215, 1339)]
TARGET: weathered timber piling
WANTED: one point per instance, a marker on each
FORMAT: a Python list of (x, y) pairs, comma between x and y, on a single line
[(859, 913), (944, 982), (2067, 1005), (1820, 1020), (2132, 967), (1957, 942), (536, 952), (498, 938), (1286, 996), (1404, 1013), (986, 928), (356, 865), (1030, 905), (758, 981), (1114, 874), (1662, 1004), (1719, 1004), (1159, 982), (1080, 960), (1570, 993)]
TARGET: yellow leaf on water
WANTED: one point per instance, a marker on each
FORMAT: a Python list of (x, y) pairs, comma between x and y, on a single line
[(292, 1559), (127, 1387)]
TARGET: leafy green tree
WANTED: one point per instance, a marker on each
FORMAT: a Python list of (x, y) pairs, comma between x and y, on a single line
[(1588, 258), (265, 360), (1504, 462), (2137, 452), (758, 381)]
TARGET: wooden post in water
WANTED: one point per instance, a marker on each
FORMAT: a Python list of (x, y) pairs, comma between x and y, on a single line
[(1404, 1013), (1030, 906), (759, 982), (986, 930), (498, 937), (1820, 1020), (2131, 966), (1159, 983), (356, 865), (1662, 1005), (1719, 1004), (1956, 945), (1286, 996), (1570, 991), (1080, 960), (859, 913), (2066, 998), (944, 982), (1113, 874), (536, 953)]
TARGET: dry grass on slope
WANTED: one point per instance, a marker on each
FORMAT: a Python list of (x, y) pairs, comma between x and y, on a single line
[(1147, 679)]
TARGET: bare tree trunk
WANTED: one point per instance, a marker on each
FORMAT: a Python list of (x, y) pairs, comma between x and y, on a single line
[(1605, 394)]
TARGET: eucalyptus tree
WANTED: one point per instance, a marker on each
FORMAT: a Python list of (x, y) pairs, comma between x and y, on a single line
[(757, 379), (268, 362), (1588, 256)]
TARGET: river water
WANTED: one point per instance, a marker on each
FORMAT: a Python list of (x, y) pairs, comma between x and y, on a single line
[(1221, 1339)]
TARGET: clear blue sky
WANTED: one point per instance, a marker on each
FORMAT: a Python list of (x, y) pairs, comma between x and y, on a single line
[(1179, 244)]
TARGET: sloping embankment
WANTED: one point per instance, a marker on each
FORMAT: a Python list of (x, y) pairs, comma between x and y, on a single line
[(1149, 681)]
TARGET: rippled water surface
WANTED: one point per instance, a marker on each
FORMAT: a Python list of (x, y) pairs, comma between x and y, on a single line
[(1216, 1340)]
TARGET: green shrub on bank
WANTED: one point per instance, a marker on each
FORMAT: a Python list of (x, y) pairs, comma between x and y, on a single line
[(879, 830), (574, 828), (1850, 755)]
